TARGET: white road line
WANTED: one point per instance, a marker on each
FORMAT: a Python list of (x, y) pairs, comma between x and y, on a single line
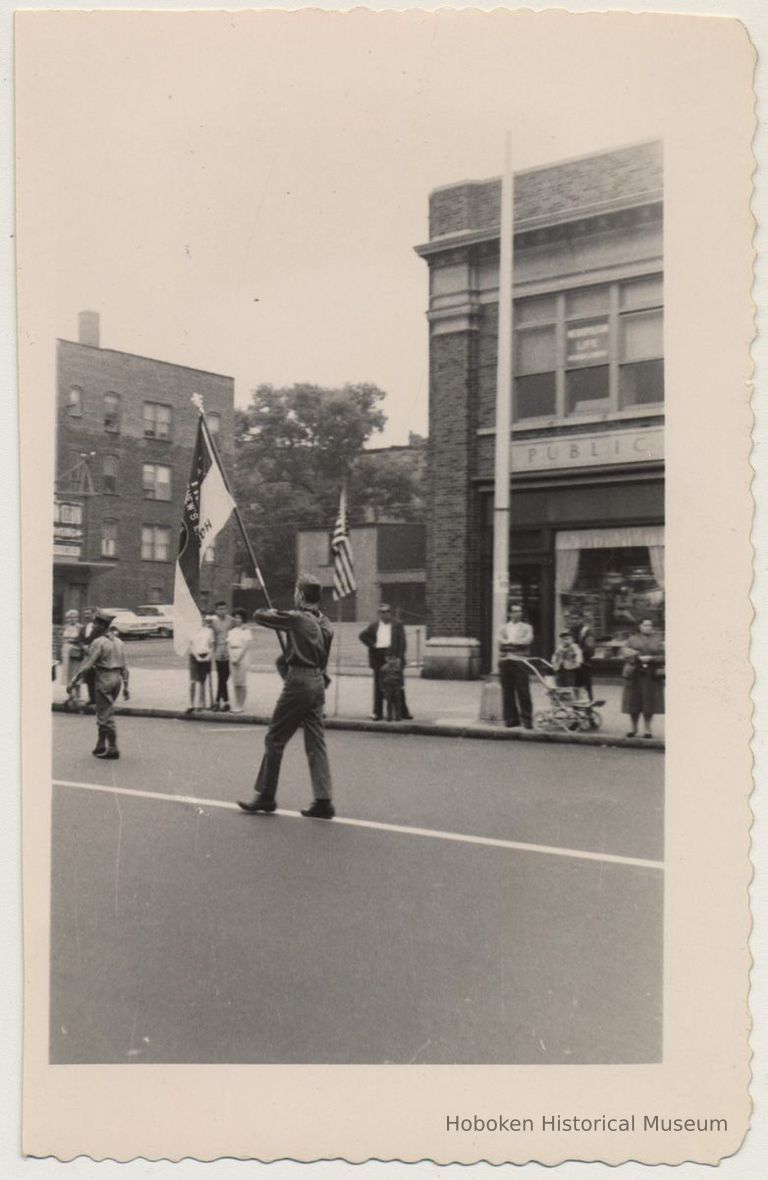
[(429, 833)]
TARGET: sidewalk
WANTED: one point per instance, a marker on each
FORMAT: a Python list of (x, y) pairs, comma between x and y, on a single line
[(438, 706)]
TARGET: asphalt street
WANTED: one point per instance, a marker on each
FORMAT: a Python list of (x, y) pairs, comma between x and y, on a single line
[(473, 902)]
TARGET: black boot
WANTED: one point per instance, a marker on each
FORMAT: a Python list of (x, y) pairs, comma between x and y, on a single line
[(111, 750), (258, 803), (101, 744), (320, 809)]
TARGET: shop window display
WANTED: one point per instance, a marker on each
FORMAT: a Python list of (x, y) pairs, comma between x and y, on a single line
[(614, 586)]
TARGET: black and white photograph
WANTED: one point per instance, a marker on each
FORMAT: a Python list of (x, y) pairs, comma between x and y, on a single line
[(352, 359)]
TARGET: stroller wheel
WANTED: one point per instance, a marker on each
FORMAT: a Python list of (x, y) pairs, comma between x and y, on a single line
[(566, 720), (595, 719), (542, 721)]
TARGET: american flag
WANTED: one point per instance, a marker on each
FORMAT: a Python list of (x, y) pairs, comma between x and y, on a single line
[(344, 582)]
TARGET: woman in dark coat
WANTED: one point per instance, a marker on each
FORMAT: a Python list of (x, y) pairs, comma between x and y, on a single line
[(643, 677)]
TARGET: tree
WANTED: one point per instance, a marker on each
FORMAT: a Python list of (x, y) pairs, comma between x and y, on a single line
[(388, 485), (294, 447)]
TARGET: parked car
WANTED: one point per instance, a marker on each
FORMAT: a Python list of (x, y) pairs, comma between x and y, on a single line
[(161, 616), (128, 623)]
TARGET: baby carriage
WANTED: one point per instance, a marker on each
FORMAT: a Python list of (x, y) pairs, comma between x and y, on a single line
[(568, 710)]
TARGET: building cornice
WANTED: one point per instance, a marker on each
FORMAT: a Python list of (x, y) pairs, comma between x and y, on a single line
[(523, 225)]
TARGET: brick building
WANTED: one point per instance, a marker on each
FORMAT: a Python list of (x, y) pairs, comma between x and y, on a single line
[(587, 491), (389, 566), (125, 430)]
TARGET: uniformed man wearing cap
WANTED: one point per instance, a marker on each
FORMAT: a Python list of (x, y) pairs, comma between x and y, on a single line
[(308, 643), (106, 656)]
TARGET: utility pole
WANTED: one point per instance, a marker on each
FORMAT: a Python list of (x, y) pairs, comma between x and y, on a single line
[(504, 381)]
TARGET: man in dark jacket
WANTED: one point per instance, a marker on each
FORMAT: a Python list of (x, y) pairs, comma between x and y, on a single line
[(384, 638), (308, 643)]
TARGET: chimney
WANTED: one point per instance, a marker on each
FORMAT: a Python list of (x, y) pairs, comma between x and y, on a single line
[(89, 328)]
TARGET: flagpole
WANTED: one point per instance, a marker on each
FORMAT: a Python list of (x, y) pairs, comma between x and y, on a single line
[(338, 660), (504, 379), (197, 401)]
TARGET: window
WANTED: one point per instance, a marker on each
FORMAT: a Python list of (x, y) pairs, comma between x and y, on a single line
[(587, 351), (156, 481), (613, 576), (535, 368), (112, 413), (156, 594), (157, 420), (109, 474), (109, 538), (75, 402), (596, 350), (209, 557), (67, 513), (155, 543), (214, 422), (641, 344)]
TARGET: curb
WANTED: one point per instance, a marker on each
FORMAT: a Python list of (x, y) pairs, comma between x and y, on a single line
[(423, 729)]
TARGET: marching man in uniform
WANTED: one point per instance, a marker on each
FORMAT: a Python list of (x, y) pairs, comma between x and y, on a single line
[(309, 637), (106, 656)]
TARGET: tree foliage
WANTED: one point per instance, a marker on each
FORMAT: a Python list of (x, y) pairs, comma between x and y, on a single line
[(294, 447)]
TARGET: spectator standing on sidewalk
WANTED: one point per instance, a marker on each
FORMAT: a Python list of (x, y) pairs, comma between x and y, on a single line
[(301, 703), (238, 643), (515, 638), (582, 632), (567, 661), (643, 677), (222, 624), (106, 657), (384, 638), (200, 653), (73, 650)]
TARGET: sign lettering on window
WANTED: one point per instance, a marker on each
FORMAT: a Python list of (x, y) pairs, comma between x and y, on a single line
[(587, 344)]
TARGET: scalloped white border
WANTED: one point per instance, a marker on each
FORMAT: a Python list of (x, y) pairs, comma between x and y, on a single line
[(748, 1163)]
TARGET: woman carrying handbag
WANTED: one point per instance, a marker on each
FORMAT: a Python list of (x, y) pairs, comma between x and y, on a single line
[(643, 678)]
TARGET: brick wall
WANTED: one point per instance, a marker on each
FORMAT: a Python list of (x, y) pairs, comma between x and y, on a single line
[(128, 580), (549, 192), (453, 399)]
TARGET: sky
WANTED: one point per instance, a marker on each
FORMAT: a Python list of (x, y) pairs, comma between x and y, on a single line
[(242, 192)]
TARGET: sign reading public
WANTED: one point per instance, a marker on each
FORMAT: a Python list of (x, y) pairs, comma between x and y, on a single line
[(589, 450)]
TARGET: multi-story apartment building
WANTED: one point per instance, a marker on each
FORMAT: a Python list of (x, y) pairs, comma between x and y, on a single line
[(587, 471), (125, 433)]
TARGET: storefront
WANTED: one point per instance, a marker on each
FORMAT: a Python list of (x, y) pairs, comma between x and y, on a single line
[(586, 545), (73, 575), (613, 578)]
